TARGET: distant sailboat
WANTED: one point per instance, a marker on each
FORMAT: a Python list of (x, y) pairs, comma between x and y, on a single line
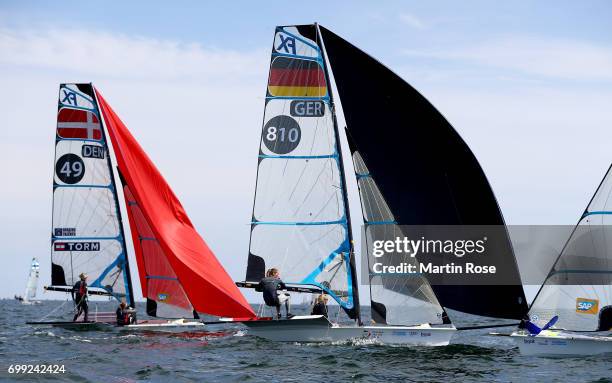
[(301, 222), (32, 285), (572, 312), (180, 276)]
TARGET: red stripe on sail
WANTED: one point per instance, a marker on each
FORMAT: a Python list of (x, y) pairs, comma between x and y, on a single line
[(207, 285), (297, 77)]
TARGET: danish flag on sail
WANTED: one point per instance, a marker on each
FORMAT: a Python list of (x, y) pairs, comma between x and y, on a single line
[(160, 215), (74, 123)]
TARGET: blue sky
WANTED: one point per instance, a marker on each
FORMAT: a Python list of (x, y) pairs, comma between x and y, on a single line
[(527, 84)]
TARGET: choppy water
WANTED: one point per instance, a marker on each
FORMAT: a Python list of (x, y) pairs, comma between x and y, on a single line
[(229, 354)]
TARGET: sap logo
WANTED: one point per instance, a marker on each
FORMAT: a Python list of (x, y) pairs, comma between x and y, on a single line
[(287, 44), (76, 246), (162, 297), (69, 97), (587, 306), (304, 108), (92, 151)]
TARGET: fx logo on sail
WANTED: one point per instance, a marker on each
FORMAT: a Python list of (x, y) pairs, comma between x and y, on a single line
[(287, 44), (69, 97)]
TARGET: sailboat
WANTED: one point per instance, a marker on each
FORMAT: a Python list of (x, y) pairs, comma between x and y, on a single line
[(102, 174), (572, 312), (301, 220), (32, 285)]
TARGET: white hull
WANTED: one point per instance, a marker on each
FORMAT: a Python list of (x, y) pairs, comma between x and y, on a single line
[(165, 325), (315, 328), (550, 342), (423, 335)]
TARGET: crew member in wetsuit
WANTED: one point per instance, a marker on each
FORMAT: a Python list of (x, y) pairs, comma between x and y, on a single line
[(271, 286), (125, 315), (79, 296), (320, 306)]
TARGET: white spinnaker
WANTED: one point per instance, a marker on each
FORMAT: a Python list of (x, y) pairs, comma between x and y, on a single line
[(396, 299), (86, 232), (32, 285), (579, 286), (299, 215)]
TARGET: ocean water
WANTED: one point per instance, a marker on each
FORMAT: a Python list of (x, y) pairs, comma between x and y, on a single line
[(228, 354)]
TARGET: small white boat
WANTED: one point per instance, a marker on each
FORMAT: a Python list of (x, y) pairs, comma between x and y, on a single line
[(32, 285), (574, 304), (558, 342)]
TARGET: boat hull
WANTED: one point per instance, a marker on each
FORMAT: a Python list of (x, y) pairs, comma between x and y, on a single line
[(315, 328), (562, 343), (423, 335)]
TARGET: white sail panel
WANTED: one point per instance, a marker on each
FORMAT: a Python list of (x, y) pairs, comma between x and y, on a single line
[(288, 41), (302, 127), (70, 95), (101, 260), (81, 162), (84, 212), (298, 190)]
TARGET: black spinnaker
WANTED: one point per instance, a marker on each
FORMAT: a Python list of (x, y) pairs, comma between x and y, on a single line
[(397, 133)]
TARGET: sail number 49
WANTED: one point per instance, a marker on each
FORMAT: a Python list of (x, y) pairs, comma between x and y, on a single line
[(70, 168)]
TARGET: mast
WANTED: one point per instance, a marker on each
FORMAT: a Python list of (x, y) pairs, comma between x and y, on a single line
[(126, 265), (343, 185)]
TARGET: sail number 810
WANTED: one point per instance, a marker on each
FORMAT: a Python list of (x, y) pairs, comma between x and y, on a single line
[(282, 134)]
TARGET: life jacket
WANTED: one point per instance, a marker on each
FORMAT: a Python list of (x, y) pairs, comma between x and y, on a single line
[(82, 288)]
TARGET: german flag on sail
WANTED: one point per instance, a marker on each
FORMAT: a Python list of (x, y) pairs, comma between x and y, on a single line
[(292, 77)]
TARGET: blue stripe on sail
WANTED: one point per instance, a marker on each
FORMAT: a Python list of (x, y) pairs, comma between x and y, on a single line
[(161, 277), (299, 157), (300, 39), (324, 98), (570, 271), (98, 281), (64, 238), (365, 175), (340, 221), (602, 212), (311, 278), (380, 223), (288, 55), (66, 106), (59, 138), (109, 186)]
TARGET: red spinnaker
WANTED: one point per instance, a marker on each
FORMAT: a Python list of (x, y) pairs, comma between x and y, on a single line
[(206, 283)]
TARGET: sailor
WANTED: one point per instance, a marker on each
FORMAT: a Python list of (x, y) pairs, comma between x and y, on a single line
[(125, 314), (79, 296), (320, 306), (271, 287)]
